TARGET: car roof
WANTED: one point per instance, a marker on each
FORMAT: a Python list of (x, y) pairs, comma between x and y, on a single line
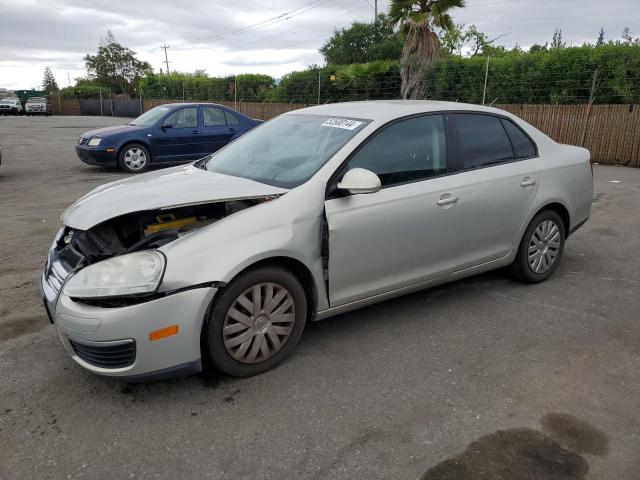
[(189, 104), (385, 110)]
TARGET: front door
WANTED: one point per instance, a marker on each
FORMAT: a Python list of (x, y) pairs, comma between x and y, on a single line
[(178, 137), (408, 231)]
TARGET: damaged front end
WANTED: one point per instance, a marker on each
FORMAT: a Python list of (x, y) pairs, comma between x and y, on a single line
[(74, 249)]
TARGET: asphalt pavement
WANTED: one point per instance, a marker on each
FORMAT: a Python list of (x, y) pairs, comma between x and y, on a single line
[(484, 378)]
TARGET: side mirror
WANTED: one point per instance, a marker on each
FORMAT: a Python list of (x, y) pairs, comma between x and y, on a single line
[(360, 180)]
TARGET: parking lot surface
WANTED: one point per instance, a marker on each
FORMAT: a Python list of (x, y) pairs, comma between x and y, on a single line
[(483, 378)]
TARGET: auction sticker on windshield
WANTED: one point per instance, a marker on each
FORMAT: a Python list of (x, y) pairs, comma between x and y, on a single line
[(342, 123)]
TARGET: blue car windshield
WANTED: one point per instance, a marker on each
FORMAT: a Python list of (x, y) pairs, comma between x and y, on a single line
[(150, 118), (287, 151)]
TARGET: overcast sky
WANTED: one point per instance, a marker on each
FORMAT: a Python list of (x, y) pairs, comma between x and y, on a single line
[(244, 36)]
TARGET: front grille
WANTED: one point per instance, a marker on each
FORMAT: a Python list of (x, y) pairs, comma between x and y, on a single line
[(107, 356)]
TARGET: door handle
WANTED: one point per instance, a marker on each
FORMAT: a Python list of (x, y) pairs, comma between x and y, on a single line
[(195, 132), (527, 182), (231, 129), (447, 199)]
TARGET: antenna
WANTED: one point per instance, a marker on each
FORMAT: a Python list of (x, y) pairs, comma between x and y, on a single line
[(166, 58)]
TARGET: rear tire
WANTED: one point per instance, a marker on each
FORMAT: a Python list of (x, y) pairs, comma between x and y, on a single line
[(134, 158), (540, 249), (256, 322)]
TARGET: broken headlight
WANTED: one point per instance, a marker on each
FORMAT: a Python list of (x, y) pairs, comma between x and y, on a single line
[(133, 274)]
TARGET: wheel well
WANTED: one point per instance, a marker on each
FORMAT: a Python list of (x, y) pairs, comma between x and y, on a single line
[(562, 211), (301, 272), (296, 267), (129, 142)]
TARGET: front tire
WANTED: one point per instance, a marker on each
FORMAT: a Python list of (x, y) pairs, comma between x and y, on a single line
[(134, 158), (256, 322), (541, 248)]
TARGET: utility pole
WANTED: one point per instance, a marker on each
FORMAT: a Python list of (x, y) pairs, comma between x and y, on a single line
[(592, 97), (166, 58), (486, 77), (375, 10), (68, 79)]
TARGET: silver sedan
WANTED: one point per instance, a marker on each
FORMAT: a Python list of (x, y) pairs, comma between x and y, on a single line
[(317, 212)]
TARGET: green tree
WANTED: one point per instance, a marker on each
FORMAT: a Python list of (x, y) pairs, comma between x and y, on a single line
[(461, 40), (627, 38), (557, 43), (115, 66), (600, 41), (363, 42), (418, 21), (49, 83)]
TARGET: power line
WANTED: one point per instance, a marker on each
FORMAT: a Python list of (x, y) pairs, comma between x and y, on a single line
[(262, 24)]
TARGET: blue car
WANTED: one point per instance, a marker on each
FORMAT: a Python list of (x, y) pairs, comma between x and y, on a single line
[(172, 133)]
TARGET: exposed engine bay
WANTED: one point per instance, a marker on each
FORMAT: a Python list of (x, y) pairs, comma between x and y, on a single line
[(147, 229)]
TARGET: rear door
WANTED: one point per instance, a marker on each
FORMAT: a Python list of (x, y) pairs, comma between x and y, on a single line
[(499, 172), (178, 136), (405, 233), (216, 133)]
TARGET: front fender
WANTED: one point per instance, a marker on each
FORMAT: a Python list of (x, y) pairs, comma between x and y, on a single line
[(219, 252)]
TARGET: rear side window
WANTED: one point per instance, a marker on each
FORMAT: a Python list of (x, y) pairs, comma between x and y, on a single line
[(523, 147), (406, 151), (213, 117), (481, 140), (231, 118)]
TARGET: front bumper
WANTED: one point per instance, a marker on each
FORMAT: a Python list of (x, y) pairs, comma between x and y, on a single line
[(101, 329), (99, 156)]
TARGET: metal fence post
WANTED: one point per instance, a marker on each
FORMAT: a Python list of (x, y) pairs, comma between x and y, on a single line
[(140, 97), (235, 93), (319, 72), (183, 91), (101, 109), (59, 104), (592, 97), (486, 77)]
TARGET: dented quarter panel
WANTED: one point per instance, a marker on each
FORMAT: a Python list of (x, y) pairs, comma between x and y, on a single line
[(177, 186)]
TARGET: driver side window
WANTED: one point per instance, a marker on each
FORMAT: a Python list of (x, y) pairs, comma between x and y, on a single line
[(406, 151), (183, 118)]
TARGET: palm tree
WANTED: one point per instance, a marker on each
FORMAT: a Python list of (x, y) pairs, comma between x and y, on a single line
[(418, 20)]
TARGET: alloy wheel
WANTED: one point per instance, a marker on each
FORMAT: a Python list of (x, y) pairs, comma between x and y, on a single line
[(544, 246), (259, 323), (135, 158)]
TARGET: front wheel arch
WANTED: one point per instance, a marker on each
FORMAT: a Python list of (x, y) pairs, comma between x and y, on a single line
[(296, 267)]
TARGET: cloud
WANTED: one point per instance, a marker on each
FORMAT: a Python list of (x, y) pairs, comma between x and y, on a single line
[(249, 36)]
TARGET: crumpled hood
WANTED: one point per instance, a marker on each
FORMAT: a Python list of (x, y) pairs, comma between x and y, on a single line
[(172, 187), (106, 131)]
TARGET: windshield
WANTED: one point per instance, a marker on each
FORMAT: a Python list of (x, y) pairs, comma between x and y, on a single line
[(8, 101), (37, 100), (287, 151), (150, 118)]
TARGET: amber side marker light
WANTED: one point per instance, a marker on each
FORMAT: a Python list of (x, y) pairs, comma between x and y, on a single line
[(110, 150), (163, 333)]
